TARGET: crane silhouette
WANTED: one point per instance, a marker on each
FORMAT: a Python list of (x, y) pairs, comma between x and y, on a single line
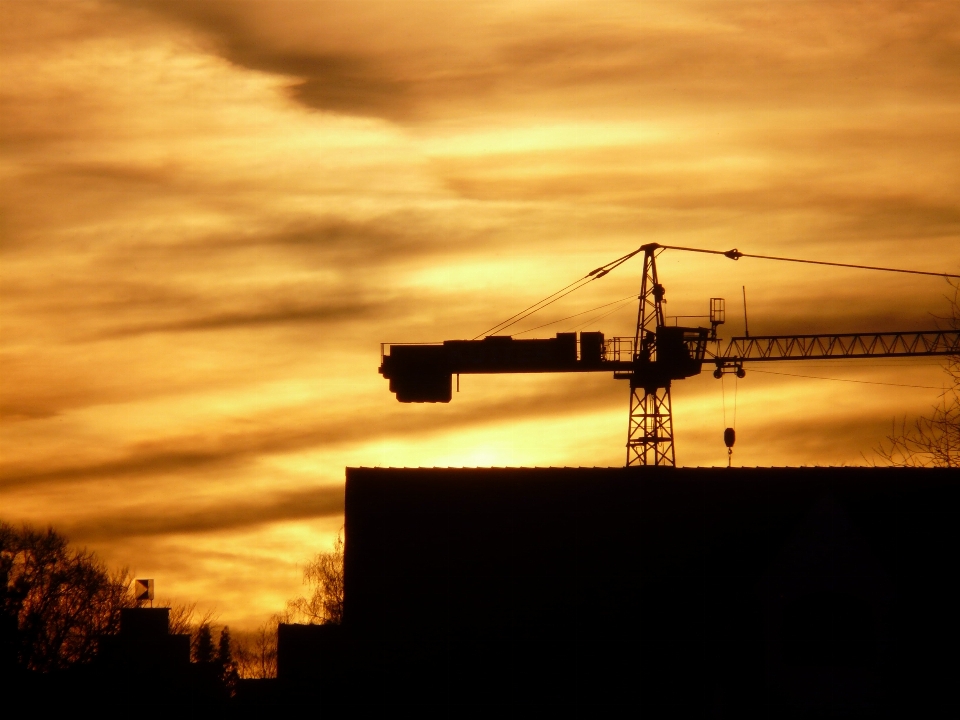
[(651, 360)]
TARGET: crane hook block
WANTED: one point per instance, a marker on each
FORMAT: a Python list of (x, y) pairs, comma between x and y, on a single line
[(729, 437)]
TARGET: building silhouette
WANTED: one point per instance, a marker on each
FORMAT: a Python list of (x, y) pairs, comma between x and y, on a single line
[(698, 592)]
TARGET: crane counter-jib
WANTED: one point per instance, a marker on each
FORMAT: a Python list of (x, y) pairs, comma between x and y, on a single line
[(423, 373)]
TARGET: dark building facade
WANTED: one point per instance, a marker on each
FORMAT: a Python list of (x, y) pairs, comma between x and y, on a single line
[(716, 592), (145, 643)]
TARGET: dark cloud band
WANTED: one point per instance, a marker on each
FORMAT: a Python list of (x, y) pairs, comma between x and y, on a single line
[(151, 521)]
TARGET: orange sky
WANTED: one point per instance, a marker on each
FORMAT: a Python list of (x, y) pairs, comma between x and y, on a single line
[(214, 212)]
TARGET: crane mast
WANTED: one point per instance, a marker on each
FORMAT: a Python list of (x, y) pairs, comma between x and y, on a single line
[(650, 422), (651, 360)]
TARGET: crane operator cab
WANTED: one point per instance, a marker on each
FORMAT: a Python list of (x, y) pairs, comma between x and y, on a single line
[(669, 353), (681, 350)]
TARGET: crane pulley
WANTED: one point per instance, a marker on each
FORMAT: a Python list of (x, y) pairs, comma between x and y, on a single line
[(651, 360)]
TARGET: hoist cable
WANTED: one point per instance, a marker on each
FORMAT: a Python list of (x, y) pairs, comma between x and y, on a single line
[(723, 399), (613, 264), (502, 326), (595, 274), (569, 317), (736, 387), (860, 382), (736, 255), (600, 317), (541, 303)]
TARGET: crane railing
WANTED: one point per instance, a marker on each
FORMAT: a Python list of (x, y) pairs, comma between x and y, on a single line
[(847, 345), (618, 349)]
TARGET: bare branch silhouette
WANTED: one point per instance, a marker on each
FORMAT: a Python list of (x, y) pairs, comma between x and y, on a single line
[(324, 574), (255, 654), (933, 440), (59, 599)]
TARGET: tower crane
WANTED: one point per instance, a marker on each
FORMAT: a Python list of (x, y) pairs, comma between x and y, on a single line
[(650, 361)]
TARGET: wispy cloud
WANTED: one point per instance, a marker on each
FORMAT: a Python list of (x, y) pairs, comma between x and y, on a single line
[(150, 520), (300, 431), (225, 321)]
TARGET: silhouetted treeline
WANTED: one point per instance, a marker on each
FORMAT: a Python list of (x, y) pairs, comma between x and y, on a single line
[(62, 610), (56, 601)]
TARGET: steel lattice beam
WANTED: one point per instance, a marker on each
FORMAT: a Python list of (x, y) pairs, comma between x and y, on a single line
[(849, 345)]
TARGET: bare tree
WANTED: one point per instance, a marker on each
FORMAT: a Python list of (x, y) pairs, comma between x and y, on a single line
[(184, 619), (181, 617), (60, 599), (324, 574), (255, 654), (932, 440)]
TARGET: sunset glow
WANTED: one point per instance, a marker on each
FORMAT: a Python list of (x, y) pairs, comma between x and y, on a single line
[(214, 213)]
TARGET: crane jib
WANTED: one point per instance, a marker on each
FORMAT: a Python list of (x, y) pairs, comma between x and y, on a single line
[(846, 345)]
